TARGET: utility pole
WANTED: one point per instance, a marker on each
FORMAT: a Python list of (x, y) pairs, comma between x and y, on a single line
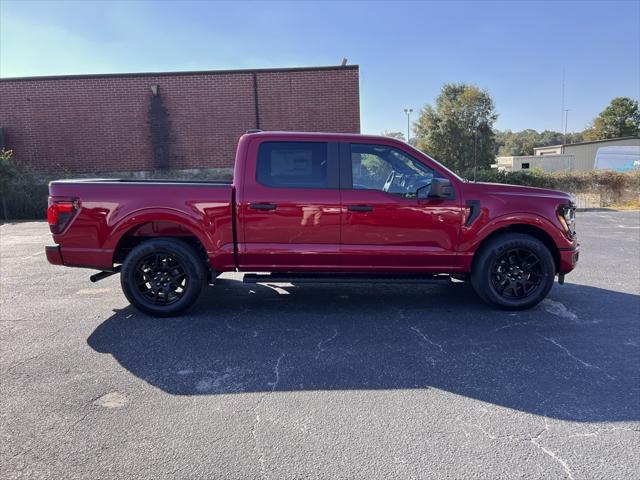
[(562, 108), (408, 112), (475, 164), (620, 126)]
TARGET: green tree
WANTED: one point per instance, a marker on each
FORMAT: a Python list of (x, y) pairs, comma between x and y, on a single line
[(519, 143), (459, 127), (574, 137), (398, 135), (510, 143), (620, 119), (547, 138)]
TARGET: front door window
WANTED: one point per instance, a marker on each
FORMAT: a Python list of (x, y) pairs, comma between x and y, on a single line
[(379, 167)]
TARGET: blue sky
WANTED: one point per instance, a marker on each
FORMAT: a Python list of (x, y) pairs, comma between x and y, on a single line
[(406, 51)]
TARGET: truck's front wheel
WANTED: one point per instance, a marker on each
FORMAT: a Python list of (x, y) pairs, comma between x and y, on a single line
[(513, 271), (163, 277)]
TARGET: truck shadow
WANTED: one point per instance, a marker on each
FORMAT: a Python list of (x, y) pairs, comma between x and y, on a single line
[(569, 359)]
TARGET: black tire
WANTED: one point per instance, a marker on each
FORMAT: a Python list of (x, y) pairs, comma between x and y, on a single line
[(163, 276), (513, 271)]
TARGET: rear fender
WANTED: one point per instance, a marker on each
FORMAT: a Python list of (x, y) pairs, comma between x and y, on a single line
[(141, 217)]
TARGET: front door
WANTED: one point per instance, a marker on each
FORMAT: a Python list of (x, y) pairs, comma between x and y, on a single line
[(385, 227), (289, 211)]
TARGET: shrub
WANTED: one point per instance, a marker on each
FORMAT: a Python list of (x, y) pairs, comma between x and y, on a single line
[(23, 196), (614, 187), (8, 171)]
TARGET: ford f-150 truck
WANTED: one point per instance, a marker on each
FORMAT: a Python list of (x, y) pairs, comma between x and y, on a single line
[(321, 207)]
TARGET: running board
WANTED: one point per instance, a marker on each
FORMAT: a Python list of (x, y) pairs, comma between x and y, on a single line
[(344, 278)]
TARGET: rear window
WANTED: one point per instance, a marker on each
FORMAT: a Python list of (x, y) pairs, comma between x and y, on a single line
[(293, 164)]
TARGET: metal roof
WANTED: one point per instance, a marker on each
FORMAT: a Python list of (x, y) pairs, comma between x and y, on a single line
[(587, 143)]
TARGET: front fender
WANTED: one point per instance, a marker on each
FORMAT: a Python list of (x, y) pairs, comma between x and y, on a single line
[(473, 236)]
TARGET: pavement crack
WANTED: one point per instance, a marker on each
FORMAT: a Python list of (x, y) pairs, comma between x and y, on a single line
[(236, 329), (536, 441), (553, 455), (256, 422), (276, 370), (478, 426), (321, 343), (511, 325), (37, 355), (427, 339), (486, 432), (579, 360), (23, 361), (60, 436)]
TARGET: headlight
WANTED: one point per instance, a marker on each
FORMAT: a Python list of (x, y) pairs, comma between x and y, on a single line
[(567, 216)]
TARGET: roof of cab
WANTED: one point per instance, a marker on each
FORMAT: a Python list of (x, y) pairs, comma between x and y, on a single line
[(319, 135)]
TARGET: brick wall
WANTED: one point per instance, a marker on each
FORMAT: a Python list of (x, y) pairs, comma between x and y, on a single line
[(101, 123)]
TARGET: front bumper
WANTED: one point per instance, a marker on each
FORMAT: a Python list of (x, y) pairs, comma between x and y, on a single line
[(54, 256), (568, 259)]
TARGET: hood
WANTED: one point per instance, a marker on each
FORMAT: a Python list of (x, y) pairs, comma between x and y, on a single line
[(517, 190)]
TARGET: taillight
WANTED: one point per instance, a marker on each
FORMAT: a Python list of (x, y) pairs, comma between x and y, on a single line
[(60, 213)]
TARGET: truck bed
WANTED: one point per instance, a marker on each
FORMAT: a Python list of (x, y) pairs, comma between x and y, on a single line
[(143, 180), (114, 212)]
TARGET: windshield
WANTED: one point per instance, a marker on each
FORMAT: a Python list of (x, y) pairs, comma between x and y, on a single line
[(454, 174)]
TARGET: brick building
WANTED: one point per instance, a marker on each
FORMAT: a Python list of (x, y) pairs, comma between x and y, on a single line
[(178, 120)]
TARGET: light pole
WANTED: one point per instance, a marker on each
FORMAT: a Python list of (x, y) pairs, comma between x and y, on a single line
[(408, 112), (475, 149)]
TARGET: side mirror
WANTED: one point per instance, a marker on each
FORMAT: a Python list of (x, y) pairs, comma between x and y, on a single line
[(438, 188)]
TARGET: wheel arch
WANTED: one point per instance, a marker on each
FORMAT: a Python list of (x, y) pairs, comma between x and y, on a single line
[(141, 226), (527, 229)]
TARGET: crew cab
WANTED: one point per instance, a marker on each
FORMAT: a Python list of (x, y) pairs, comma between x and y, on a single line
[(323, 207)]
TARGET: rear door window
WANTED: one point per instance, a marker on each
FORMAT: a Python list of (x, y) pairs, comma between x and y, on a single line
[(295, 165)]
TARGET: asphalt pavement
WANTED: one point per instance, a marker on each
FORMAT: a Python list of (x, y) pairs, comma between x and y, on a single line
[(322, 381)]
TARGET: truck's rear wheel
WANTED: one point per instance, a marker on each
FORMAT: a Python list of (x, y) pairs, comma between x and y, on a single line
[(163, 276), (513, 271)]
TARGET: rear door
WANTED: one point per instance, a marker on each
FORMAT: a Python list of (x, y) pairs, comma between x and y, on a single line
[(289, 208), (385, 227)]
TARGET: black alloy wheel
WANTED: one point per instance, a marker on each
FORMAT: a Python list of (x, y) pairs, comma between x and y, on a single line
[(163, 276), (513, 271), (516, 273)]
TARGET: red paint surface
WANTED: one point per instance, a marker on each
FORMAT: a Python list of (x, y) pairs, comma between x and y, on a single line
[(311, 229)]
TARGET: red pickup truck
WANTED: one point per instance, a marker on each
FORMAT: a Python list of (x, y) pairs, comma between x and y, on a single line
[(315, 207)]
